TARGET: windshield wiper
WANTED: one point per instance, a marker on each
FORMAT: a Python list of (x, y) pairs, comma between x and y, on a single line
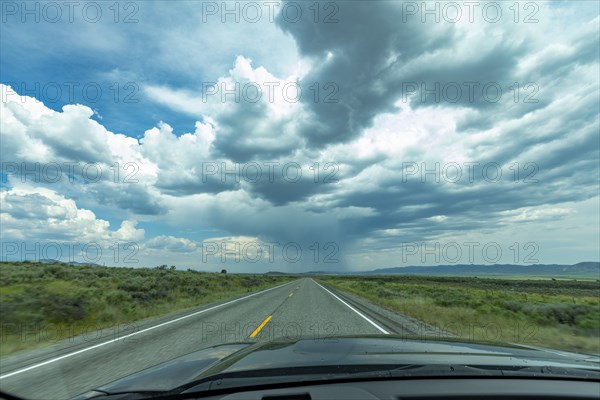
[(495, 370), (330, 374), (260, 379)]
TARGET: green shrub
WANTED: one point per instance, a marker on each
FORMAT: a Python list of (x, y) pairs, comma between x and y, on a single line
[(60, 309), (590, 324), (562, 313), (386, 293)]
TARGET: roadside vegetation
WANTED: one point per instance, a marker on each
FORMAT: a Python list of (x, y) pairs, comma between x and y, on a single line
[(560, 314), (37, 299)]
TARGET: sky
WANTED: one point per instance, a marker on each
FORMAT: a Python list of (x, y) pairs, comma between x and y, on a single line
[(300, 136)]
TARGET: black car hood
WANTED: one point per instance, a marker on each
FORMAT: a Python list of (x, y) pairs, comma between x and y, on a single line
[(372, 350)]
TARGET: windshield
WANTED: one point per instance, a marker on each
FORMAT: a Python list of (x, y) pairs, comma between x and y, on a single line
[(178, 175)]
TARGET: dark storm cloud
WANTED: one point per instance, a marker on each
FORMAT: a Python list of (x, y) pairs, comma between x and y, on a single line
[(246, 133), (133, 197), (289, 225), (410, 205), (186, 185), (281, 191), (368, 40), (552, 76), (558, 143)]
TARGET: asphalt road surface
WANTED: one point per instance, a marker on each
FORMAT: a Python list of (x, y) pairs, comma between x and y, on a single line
[(299, 308)]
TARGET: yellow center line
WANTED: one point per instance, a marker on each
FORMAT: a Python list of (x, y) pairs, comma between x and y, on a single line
[(260, 327)]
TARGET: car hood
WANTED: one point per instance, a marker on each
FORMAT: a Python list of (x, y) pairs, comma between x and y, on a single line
[(346, 351)]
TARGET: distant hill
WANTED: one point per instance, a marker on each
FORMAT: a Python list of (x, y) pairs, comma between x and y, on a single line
[(579, 269), (582, 269), (51, 261)]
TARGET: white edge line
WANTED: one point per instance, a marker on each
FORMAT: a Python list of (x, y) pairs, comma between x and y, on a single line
[(53, 360), (354, 309)]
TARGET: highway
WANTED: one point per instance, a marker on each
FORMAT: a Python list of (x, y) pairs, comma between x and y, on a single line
[(302, 307)]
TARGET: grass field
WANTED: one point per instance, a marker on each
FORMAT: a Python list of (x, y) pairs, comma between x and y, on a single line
[(36, 295), (560, 314)]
